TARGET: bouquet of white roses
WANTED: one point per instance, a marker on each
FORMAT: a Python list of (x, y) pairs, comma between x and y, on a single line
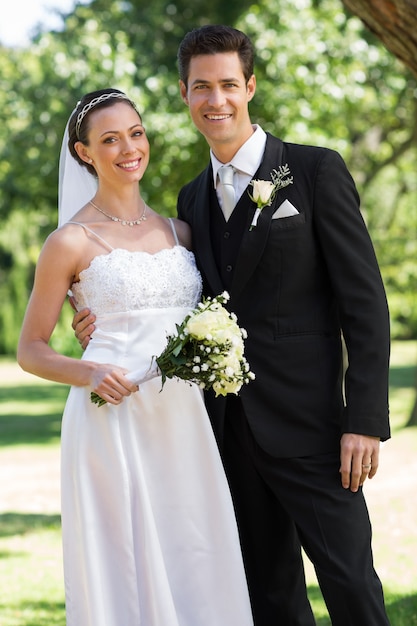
[(207, 349)]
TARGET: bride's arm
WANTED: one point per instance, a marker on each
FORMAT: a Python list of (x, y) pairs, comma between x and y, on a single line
[(54, 274)]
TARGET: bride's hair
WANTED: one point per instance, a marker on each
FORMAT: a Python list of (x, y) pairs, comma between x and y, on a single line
[(78, 126)]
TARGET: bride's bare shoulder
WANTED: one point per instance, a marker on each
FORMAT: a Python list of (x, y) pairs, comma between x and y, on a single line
[(66, 243)]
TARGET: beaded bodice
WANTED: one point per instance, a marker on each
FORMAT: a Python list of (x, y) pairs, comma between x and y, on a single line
[(125, 281)]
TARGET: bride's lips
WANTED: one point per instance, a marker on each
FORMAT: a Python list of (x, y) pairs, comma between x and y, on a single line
[(130, 165)]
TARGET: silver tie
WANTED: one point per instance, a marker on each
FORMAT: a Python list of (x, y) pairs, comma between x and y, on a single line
[(227, 190)]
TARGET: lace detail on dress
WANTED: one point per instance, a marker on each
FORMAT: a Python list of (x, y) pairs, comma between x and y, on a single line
[(126, 281)]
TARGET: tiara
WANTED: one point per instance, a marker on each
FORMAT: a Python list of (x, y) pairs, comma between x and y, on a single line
[(94, 102)]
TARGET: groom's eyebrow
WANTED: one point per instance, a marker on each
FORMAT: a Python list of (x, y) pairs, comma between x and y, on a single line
[(202, 81)]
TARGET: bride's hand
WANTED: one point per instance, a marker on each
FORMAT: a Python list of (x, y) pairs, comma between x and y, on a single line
[(111, 384), (83, 325)]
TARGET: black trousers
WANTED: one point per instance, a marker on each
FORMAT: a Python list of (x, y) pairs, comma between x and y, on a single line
[(282, 504)]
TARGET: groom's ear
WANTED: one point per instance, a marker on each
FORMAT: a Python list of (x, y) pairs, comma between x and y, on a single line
[(251, 87), (183, 92)]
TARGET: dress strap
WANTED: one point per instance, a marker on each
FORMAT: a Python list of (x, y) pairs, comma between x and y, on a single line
[(174, 232), (86, 228)]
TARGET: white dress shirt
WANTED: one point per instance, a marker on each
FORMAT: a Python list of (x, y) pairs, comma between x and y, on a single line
[(246, 162)]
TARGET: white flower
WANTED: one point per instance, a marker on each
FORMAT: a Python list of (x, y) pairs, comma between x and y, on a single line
[(223, 387), (264, 190)]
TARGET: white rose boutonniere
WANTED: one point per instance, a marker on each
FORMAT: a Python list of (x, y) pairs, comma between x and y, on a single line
[(264, 190)]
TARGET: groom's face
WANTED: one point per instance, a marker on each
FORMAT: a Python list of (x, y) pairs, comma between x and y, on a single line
[(218, 96)]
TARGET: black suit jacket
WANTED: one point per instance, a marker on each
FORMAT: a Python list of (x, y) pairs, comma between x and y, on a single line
[(297, 284)]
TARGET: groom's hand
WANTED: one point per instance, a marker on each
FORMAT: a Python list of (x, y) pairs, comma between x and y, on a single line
[(359, 459), (83, 325)]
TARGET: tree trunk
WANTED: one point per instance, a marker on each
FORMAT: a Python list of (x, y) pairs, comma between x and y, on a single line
[(394, 22), (412, 420)]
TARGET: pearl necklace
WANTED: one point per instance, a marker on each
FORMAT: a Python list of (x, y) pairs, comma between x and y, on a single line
[(122, 221)]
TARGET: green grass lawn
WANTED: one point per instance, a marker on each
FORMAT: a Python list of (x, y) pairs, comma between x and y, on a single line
[(31, 580)]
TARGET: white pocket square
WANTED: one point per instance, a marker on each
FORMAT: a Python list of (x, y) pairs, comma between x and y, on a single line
[(286, 209)]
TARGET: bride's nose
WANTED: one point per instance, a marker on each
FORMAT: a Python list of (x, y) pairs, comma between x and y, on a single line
[(128, 146)]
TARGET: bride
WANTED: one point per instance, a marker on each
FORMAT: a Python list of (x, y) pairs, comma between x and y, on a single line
[(149, 533)]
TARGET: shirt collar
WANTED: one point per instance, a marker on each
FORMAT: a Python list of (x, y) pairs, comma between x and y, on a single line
[(249, 156)]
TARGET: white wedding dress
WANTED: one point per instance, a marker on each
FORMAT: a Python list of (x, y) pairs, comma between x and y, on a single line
[(148, 525)]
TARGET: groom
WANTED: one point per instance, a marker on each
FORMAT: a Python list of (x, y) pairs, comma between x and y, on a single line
[(295, 452)]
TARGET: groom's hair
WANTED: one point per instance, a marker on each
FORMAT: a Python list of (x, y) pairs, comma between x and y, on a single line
[(214, 39)]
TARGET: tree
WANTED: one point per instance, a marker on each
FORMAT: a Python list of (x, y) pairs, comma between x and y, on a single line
[(394, 22), (105, 43), (322, 79)]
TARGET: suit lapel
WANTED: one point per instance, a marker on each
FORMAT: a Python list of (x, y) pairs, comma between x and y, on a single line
[(201, 233), (254, 241)]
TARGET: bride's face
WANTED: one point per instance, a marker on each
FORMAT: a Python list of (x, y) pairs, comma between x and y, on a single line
[(117, 144)]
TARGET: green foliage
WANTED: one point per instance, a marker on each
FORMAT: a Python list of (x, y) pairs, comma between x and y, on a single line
[(322, 79)]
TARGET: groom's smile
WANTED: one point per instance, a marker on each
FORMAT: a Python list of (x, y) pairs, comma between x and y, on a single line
[(211, 116)]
